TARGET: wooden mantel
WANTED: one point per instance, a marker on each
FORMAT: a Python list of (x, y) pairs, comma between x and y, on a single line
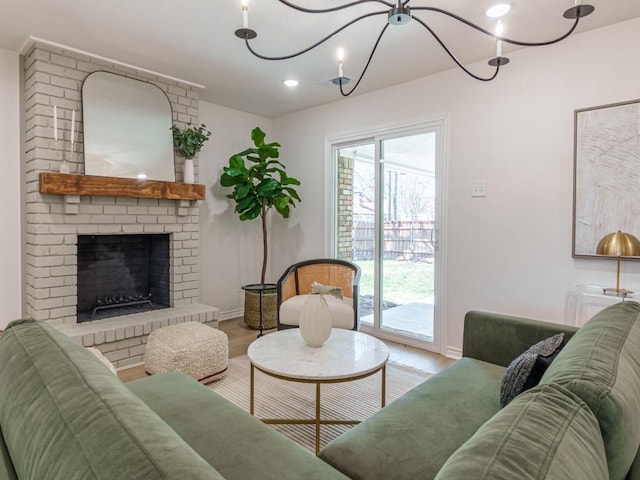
[(73, 184)]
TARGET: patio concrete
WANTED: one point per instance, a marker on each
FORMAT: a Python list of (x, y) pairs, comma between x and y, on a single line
[(416, 318)]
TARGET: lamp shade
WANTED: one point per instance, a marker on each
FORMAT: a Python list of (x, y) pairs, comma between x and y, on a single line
[(619, 244)]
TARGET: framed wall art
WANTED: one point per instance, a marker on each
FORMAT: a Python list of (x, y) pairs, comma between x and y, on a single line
[(606, 174)]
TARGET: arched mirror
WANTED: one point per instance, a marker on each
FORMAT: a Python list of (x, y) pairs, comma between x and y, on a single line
[(127, 126)]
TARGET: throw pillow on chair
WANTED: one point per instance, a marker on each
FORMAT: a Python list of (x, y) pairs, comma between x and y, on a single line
[(341, 310)]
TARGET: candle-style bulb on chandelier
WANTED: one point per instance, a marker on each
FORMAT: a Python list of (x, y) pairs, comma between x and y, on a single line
[(403, 12)]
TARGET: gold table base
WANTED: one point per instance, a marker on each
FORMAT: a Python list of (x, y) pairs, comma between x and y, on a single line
[(317, 421)]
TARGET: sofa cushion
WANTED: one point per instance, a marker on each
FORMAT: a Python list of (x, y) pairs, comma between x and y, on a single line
[(64, 415), (239, 445), (601, 365), (6, 467), (498, 339), (341, 310), (634, 472), (545, 433), (527, 369), (413, 436)]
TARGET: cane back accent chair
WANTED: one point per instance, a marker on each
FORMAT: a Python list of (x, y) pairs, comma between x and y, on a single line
[(295, 284)]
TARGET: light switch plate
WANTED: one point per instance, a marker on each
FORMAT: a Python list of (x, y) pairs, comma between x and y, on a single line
[(479, 188)]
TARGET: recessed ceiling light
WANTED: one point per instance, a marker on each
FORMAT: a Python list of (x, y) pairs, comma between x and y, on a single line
[(141, 176), (498, 10), (291, 83)]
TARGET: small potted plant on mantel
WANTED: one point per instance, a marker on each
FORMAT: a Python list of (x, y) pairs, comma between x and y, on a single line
[(260, 183), (187, 143)]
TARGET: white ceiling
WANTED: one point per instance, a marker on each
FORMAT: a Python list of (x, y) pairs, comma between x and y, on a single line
[(194, 40)]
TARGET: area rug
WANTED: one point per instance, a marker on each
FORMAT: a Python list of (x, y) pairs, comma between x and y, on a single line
[(275, 398)]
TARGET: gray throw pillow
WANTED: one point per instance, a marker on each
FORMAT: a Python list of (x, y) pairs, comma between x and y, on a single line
[(526, 370)]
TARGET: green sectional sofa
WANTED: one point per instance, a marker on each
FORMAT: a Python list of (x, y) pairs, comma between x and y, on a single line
[(65, 416), (581, 422)]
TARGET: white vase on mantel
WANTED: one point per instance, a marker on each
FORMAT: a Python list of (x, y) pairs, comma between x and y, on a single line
[(315, 320), (189, 175)]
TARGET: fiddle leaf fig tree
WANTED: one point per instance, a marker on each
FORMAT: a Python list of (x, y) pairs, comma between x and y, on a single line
[(260, 183)]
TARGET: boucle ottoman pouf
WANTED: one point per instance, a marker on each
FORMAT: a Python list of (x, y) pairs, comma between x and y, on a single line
[(103, 359), (191, 348)]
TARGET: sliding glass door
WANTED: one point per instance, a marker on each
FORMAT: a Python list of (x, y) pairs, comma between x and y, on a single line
[(387, 222)]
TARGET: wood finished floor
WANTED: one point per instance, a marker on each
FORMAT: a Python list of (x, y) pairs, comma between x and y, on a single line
[(241, 336)]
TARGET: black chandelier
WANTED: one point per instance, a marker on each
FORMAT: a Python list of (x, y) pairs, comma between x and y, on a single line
[(400, 13)]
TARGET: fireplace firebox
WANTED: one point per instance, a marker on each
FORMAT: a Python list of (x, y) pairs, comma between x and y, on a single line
[(122, 274)]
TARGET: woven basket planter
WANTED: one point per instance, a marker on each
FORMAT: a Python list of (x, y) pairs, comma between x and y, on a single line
[(252, 310)]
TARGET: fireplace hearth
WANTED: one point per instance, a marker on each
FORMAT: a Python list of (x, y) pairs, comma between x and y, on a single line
[(54, 290), (122, 274)]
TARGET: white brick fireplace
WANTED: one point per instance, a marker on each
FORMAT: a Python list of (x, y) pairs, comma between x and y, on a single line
[(54, 76)]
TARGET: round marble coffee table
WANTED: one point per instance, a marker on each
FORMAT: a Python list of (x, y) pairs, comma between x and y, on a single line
[(345, 356)]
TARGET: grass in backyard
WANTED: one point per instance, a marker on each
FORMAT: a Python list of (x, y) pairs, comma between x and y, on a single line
[(403, 281)]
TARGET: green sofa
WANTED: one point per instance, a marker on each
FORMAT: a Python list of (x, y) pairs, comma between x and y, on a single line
[(581, 422), (65, 416)]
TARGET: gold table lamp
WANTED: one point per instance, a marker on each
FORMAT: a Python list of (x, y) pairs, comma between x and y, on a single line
[(618, 245)]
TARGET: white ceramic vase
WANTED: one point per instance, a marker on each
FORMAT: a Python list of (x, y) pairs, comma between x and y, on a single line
[(315, 320), (189, 176)]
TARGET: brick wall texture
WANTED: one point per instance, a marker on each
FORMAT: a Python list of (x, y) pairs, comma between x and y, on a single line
[(54, 77), (344, 248)]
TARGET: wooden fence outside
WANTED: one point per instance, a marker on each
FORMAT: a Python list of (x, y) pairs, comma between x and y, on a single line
[(403, 240)]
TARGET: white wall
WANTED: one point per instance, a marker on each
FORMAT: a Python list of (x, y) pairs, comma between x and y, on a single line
[(10, 197), (511, 251), (230, 250)]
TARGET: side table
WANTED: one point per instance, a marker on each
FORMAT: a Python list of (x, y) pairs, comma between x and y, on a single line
[(585, 301), (260, 288)]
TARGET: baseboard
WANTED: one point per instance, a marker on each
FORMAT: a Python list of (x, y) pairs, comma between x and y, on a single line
[(127, 367), (231, 314), (453, 352)]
